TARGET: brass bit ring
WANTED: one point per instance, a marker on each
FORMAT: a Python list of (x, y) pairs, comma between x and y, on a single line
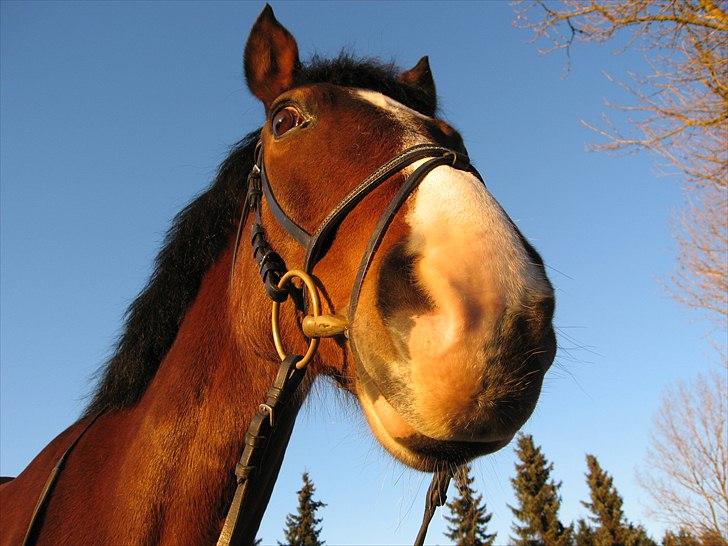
[(315, 308)]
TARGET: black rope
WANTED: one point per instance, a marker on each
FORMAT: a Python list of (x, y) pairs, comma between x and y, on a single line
[(436, 496)]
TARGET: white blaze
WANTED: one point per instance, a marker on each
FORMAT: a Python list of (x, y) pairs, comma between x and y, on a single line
[(473, 266)]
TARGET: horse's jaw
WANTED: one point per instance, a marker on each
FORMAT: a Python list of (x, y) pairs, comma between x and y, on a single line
[(439, 407), (411, 447)]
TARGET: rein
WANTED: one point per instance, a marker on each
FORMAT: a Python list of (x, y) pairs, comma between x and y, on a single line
[(270, 429)]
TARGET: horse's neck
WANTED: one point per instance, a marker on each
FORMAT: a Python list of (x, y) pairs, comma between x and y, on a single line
[(192, 419)]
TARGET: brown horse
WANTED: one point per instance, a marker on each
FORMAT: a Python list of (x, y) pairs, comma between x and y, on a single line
[(452, 328)]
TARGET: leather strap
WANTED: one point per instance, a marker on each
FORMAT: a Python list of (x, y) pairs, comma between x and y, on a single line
[(314, 243), (31, 535), (409, 185), (376, 179), (296, 231), (270, 264), (265, 442), (436, 496)]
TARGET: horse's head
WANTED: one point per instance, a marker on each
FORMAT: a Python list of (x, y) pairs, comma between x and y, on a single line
[(452, 332)]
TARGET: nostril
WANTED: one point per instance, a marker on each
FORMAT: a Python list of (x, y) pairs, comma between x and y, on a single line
[(548, 306), (399, 297), (548, 354)]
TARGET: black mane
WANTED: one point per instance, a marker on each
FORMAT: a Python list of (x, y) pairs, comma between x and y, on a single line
[(201, 232)]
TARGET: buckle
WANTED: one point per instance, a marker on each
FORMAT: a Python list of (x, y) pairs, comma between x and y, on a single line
[(265, 408)]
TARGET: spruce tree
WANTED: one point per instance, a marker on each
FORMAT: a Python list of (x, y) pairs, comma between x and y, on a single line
[(605, 505), (539, 502), (584, 534), (611, 527), (636, 535), (681, 538), (469, 520), (302, 529)]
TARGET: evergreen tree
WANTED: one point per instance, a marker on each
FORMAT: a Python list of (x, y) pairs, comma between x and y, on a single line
[(584, 535), (681, 538), (539, 502), (605, 505), (302, 528), (636, 535), (469, 518), (712, 538), (611, 527)]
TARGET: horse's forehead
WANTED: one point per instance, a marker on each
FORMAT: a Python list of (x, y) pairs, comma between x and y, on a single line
[(326, 96), (388, 104)]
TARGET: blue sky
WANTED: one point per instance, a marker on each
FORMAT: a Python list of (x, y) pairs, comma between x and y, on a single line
[(114, 115)]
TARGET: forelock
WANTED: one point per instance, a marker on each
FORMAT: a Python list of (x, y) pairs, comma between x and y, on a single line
[(372, 74)]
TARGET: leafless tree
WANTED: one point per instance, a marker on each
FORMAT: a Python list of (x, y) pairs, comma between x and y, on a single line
[(679, 111), (701, 277), (687, 463)]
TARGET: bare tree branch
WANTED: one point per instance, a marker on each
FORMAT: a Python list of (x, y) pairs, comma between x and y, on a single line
[(687, 463), (679, 111)]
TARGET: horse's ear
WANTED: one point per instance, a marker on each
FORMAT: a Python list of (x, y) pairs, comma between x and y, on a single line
[(271, 58), (420, 76)]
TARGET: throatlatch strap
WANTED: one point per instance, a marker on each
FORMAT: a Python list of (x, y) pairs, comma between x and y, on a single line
[(265, 442)]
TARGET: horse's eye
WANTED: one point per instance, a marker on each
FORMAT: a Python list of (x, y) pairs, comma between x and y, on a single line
[(286, 119)]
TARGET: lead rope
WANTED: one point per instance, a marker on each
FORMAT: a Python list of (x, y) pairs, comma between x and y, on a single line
[(436, 496), (270, 429)]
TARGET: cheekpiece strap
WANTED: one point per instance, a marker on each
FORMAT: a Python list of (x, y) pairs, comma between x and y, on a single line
[(271, 266)]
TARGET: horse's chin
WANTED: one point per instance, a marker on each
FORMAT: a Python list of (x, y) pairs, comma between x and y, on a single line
[(410, 446)]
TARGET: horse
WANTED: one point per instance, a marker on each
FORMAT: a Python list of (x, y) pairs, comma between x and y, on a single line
[(435, 313)]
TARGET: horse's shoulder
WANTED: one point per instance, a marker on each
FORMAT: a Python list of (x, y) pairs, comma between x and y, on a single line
[(18, 496)]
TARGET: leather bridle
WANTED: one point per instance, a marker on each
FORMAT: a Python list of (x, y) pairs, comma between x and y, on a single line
[(270, 428), (276, 277)]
